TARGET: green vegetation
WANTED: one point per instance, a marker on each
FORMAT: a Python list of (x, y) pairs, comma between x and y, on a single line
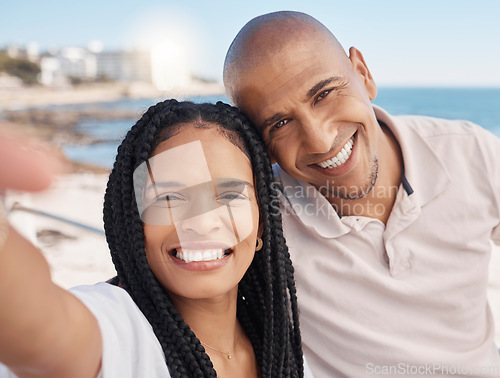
[(75, 80), (22, 68)]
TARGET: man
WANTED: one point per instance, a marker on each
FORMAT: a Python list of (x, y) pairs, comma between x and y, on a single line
[(388, 219)]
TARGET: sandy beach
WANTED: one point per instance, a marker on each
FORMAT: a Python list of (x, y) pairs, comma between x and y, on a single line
[(76, 255)]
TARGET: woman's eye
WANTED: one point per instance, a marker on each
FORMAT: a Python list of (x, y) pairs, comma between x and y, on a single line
[(230, 196), (170, 200)]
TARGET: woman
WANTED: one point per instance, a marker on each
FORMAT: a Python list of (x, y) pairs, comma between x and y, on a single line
[(194, 230)]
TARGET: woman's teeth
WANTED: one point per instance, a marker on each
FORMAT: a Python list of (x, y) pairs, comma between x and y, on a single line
[(189, 255), (341, 157)]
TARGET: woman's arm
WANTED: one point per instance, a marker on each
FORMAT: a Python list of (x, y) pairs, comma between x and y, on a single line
[(44, 330)]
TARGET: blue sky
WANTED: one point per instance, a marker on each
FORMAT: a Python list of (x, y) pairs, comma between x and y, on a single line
[(405, 43)]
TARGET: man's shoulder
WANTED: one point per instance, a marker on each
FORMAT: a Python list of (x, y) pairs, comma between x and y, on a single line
[(426, 126), (430, 127)]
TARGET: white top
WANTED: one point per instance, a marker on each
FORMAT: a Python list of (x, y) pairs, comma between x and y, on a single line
[(130, 347), (395, 300)]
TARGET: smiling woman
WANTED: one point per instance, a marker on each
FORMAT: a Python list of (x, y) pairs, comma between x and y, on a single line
[(205, 285), (204, 201)]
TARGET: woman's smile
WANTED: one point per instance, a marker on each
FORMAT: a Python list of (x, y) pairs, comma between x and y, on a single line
[(200, 213)]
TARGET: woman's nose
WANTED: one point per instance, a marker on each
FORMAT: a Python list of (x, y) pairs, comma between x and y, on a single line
[(202, 224)]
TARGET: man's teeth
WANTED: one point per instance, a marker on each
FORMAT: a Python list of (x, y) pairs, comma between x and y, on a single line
[(341, 157), (189, 255)]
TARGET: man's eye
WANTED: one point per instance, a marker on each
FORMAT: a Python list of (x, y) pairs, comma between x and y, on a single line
[(279, 124), (322, 95)]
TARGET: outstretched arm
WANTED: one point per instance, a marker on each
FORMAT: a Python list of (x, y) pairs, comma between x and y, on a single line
[(44, 330)]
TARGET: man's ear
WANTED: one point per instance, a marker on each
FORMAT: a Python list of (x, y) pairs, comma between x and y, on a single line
[(361, 69)]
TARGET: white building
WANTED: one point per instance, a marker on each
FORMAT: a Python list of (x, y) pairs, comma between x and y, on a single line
[(134, 65), (163, 67)]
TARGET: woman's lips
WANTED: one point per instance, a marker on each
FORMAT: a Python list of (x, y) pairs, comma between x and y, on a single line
[(201, 256), (196, 255)]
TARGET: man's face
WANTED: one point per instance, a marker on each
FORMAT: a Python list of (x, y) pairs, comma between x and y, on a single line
[(313, 109)]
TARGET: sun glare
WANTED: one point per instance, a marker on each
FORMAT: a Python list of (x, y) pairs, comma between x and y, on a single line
[(169, 65), (171, 37)]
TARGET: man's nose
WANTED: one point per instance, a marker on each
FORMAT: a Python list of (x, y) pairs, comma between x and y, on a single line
[(317, 135)]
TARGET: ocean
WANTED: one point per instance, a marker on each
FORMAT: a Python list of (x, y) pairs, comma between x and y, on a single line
[(479, 105)]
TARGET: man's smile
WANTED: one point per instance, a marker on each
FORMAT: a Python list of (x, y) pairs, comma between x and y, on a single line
[(342, 156)]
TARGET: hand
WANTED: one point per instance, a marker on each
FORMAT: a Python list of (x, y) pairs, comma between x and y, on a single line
[(26, 166), (31, 167)]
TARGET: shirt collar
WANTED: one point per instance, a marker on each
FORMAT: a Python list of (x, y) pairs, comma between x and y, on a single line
[(424, 173), (423, 169), (310, 206)]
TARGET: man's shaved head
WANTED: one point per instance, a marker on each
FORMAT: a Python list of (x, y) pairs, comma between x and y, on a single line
[(266, 36), (307, 98)]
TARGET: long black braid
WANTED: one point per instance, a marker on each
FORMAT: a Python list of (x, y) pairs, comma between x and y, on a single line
[(267, 294)]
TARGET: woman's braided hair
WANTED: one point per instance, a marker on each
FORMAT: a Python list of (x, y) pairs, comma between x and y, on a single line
[(267, 302)]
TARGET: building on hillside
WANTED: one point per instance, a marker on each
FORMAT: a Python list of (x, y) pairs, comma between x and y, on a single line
[(134, 65), (162, 67), (69, 63)]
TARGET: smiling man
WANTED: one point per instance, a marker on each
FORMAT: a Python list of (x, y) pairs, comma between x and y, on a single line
[(388, 219)]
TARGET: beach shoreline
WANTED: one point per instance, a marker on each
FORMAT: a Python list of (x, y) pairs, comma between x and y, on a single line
[(39, 96), (44, 115)]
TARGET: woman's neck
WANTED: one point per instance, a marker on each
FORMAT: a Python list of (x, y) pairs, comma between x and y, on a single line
[(215, 324), (213, 320)]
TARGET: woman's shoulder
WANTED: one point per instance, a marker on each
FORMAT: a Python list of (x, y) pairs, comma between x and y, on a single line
[(102, 291), (106, 297), (114, 309), (130, 347)]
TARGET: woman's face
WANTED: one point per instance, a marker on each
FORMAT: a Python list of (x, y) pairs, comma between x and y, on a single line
[(199, 211)]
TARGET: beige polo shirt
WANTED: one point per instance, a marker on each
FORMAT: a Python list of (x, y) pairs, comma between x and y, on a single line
[(408, 298)]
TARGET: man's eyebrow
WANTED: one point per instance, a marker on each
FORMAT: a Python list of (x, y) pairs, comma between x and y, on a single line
[(317, 87), (268, 122)]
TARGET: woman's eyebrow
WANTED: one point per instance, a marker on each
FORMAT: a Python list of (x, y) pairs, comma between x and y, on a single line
[(232, 183), (164, 185)]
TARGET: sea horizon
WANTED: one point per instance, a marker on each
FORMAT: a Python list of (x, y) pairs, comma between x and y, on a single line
[(480, 105)]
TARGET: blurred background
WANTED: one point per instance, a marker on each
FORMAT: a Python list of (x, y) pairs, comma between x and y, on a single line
[(426, 43), (76, 76), (436, 57)]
